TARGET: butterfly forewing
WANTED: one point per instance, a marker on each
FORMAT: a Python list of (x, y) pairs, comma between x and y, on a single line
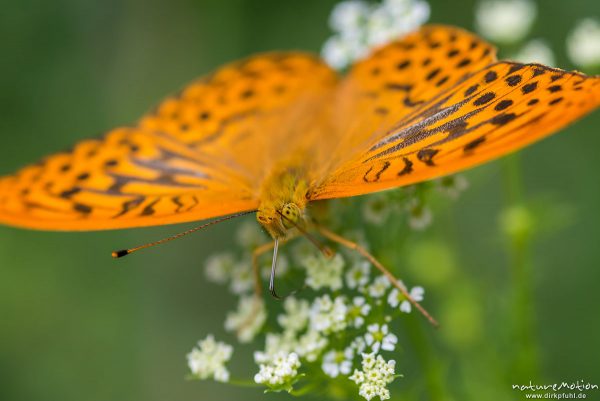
[(497, 110), (197, 155)]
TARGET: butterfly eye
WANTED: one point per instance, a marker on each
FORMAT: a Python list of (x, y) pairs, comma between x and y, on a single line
[(290, 213)]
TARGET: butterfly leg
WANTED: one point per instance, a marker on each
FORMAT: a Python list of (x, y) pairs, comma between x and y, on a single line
[(356, 247)]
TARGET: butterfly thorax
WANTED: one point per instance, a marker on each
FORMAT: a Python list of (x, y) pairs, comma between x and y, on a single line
[(283, 201)]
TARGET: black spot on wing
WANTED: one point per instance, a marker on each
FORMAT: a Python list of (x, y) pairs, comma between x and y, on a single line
[(485, 98), (408, 167), (384, 167), (426, 156)]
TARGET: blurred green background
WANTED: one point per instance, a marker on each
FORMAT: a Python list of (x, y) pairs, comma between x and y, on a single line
[(77, 325)]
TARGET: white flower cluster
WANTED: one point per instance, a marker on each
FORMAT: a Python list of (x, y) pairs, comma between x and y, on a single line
[(323, 272), (374, 377), (346, 317), (505, 21), (583, 44), (208, 359), (281, 371), (360, 26)]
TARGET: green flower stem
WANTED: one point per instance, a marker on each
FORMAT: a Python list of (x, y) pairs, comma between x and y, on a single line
[(525, 359)]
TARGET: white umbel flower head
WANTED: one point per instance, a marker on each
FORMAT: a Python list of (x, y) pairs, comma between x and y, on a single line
[(340, 51), (536, 51), (359, 27), (324, 272), (208, 359), (395, 18), (583, 44), (248, 319), (348, 15), (375, 375), (505, 21), (281, 371)]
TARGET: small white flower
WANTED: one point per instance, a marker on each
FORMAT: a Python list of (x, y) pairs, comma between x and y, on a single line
[(379, 286), (218, 267), (379, 337), (375, 375), (328, 316), (420, 216), (349, 15), (453, 185), (358, 275), (358, 311), (324, 272), (208, 359), (310, 345), (583, 44), (505, 21), (248, 319), (536, 51), (296, 316), (282, 370), (336, 362), (396, 298)]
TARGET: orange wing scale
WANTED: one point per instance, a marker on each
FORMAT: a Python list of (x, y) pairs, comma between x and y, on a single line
[(431, 104)]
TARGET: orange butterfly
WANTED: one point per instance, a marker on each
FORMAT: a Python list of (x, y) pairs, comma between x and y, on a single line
[(276, 131)]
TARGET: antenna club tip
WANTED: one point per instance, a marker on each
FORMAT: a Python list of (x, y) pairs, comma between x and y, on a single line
[(120, 253)]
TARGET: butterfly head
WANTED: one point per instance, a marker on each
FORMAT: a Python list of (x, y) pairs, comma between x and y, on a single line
[(278, 220)]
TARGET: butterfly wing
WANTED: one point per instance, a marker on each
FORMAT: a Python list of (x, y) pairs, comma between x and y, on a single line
[(193, 157), (492, 112)]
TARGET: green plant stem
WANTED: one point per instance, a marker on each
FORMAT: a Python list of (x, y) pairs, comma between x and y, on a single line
[(525, 361)]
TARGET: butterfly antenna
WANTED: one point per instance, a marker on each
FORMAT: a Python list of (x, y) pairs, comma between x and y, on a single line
[(125, 252)]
